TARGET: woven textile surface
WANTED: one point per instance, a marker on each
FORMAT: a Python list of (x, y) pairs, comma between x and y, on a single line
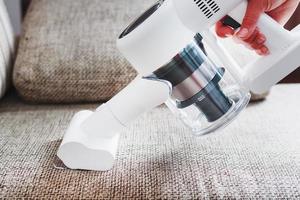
[(257, 156), (68, 50)]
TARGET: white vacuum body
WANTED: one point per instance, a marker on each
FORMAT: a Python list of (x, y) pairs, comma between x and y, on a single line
[(180, 63)]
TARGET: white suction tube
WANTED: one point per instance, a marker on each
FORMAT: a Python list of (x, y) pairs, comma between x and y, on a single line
[(137, 98)]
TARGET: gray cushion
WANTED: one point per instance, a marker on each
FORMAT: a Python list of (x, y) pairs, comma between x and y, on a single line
[(68, 53), (257, 156)]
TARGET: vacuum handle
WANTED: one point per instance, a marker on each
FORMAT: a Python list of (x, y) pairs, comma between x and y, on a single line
[(261, 74), (140, 96), (278, 38)]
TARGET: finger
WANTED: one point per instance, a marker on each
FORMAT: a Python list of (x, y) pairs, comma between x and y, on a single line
[(250, 40), (263, 51), (223, 31), (269, 5), (259, 41), (284, 12), (254, 43), (253, 12), (257, 46)]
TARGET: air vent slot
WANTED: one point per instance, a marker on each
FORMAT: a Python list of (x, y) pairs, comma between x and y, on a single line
[(207, 7)]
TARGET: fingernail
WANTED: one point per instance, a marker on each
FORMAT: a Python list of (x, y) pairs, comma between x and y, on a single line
[(265, 50), (243, 33)]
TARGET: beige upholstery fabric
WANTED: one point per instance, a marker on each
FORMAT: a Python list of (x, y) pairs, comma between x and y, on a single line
[(258, 156), (67, 52)]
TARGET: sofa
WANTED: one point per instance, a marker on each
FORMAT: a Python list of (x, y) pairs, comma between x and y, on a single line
[(67, 61)]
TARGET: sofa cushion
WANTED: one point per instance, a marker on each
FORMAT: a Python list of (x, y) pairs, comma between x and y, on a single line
[(256, 157), (67, 52)]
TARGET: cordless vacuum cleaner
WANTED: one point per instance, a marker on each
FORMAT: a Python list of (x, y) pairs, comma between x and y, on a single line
[(180, 63)]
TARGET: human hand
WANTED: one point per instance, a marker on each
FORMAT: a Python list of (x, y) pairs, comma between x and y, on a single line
[(249, 34)]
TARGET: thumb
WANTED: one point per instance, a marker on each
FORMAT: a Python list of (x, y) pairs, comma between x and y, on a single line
[(253, 12)]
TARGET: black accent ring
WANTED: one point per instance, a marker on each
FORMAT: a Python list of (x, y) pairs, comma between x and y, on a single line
[(184, 64)]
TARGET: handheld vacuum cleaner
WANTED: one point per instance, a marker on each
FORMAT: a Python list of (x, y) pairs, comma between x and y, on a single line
[(169, 47)]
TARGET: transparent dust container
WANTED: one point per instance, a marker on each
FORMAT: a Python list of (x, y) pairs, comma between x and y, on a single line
[(204, 94)]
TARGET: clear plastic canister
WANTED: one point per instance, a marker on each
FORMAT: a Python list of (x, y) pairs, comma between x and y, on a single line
[(204, 95)]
